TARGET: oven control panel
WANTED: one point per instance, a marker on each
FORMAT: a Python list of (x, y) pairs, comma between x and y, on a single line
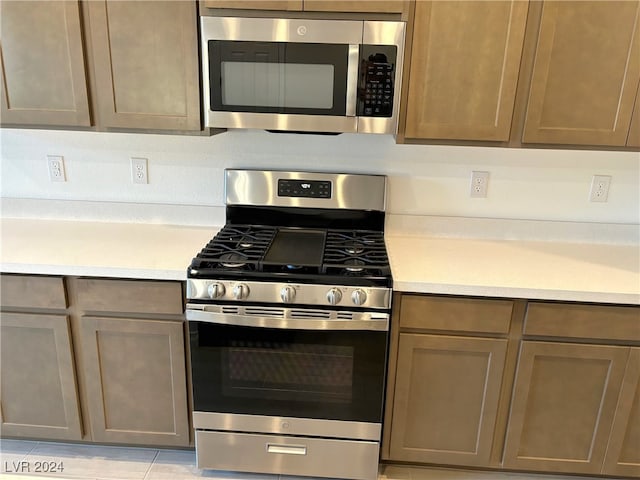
[(288, 293), (304, 188)]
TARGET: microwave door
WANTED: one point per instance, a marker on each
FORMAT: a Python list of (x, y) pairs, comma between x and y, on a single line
[(282, 85)]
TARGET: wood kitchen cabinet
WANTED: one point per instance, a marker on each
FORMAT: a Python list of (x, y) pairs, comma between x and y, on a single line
[(517, 385), (563, 406), (39, 396), (567, 396), (446, 398), (295, 5), (93, 359), (633, 140), (464, 66), (447, 382), (354, 6), (357, 6), (623, 454), (42, 64), (145, 59), (139, 59), (586, 73), (133, 364)]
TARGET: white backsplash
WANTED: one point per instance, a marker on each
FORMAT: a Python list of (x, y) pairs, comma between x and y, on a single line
[(536, 184)]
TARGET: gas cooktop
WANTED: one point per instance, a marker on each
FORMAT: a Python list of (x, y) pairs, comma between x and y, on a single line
[(306, 255)]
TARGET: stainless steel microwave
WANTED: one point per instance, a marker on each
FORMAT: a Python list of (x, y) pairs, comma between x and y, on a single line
[(302, 75)]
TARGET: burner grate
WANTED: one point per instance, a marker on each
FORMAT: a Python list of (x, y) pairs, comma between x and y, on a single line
[(355, 253), (235, 247)]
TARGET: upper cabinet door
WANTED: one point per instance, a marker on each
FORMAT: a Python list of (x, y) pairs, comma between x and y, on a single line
[(357, 6), (586, 73), (465, 61), (145, 57), (43, 75), (255, 4)]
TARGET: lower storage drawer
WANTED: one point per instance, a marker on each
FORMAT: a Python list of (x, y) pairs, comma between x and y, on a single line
[(275, 454)]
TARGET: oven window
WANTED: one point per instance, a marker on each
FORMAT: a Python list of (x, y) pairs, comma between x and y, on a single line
[(281, 371), (335, 375), (276, 77)]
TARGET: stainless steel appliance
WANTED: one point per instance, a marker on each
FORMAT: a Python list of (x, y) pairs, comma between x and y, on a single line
[(288, 311), (302, 74)]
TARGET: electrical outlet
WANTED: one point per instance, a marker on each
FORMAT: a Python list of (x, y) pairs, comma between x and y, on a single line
[(139, 173), (55, 164), (479, 184), (600, 188)]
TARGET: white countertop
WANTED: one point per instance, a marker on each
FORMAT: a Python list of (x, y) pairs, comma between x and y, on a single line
[(588, 262), (520, 269), (421, 261), (100, 249)]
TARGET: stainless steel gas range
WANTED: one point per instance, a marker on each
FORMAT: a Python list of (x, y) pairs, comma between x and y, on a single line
[(288, 310)]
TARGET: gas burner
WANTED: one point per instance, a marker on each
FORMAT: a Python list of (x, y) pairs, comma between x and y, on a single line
[(245, 244), (354, 248), (232, 260), (293, 267), (354, 266)]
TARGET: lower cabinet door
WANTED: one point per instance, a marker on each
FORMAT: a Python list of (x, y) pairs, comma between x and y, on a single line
[(623, 452), (134, 372), (563, 406), (446, 398), (39, 397)]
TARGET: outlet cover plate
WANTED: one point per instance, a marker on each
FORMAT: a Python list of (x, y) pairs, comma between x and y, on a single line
[(55, 163), (600, 188), (139, 172), (479, 184)]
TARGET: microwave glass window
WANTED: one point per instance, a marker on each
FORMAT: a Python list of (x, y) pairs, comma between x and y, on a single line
[(283, 85), (278, 77)]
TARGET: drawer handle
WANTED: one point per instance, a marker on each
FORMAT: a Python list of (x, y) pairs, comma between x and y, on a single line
[(287, 449)]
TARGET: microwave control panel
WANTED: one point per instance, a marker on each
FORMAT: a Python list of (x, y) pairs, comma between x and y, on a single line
[(377, 77)]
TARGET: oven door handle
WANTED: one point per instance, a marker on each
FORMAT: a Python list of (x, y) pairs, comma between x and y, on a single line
[(377, 322)]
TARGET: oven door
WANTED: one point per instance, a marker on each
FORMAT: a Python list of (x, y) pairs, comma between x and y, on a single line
[(276, 363), (280, 74)]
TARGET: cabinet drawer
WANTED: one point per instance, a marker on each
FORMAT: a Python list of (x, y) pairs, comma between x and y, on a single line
[(242, 452), (129, 296), (582, 321), (32, 291), (455, 314)]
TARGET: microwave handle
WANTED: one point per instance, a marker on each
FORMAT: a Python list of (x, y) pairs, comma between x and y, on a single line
[(352, 80)]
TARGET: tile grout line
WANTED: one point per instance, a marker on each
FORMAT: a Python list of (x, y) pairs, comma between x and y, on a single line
[(35, 444), (146, 474)]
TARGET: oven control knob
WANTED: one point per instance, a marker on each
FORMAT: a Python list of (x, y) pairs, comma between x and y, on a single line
[(359, 297), (215, 290), (240, 291), (334, 296), (287, 294)]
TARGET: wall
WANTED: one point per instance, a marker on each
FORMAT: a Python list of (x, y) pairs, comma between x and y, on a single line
[(423, 180)]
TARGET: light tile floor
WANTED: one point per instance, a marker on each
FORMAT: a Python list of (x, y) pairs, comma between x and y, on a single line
[(19, 459)]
